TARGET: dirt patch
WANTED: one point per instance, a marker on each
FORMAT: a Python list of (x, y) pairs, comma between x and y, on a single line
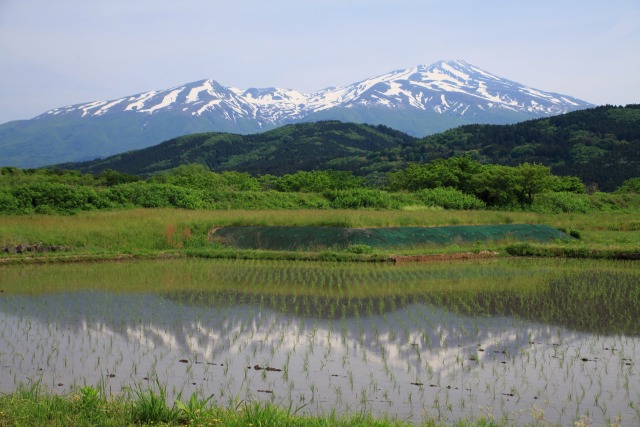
[(32, 247)]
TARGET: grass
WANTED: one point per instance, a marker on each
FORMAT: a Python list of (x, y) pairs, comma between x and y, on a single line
[(31, 406), (174, 232)]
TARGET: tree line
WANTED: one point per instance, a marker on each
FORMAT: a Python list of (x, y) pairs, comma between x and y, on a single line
[(453, 183)]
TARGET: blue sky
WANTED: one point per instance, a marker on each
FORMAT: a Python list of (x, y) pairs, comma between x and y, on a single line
[(61, 52)]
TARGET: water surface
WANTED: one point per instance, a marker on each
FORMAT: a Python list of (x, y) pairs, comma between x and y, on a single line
[(444, 341)]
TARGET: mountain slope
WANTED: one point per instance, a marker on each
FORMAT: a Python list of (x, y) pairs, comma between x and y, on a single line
[(421, 100), (600, 145), (305, 146)]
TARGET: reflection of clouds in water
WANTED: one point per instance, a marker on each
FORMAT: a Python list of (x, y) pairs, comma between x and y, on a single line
[(369, 361)]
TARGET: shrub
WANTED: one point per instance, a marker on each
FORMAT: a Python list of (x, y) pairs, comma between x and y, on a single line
[(449, 198), (366, 198), (359, 249), (561, 202), (316, 181), (630, 186), (573, 233), (52, 197), (615, 201), (8, 203), (155, 196), (263, 200)]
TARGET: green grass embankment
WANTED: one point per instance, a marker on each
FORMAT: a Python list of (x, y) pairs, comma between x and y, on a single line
[(30, 406), (164, 233)]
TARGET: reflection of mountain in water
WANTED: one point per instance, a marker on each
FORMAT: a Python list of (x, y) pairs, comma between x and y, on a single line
[(399, 362), (206, 331)]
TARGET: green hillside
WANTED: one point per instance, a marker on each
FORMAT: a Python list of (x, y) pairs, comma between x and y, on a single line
[(308, 146), (601, 146)]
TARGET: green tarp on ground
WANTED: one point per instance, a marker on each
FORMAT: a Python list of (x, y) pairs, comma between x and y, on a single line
[(318, 238)]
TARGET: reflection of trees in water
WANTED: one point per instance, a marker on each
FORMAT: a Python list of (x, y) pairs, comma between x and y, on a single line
[(592, 301)]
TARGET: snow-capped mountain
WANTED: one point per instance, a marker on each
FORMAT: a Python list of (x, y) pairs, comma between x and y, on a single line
[(420, 100), (446, 86), (193, 98)]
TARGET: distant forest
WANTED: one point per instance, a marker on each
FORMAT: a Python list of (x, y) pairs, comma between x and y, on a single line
[(600, 146)]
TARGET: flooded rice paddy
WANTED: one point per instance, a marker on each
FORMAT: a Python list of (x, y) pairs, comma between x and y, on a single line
[(523, 340)]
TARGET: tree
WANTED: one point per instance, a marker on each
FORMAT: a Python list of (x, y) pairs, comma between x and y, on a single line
[(109, 178), (571, 184), (496, 185), (630, 186), (454, 172), (532, 179)]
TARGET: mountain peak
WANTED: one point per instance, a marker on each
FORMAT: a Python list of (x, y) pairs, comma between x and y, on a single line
[(420, 100)]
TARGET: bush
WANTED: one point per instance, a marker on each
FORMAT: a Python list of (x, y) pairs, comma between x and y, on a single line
[(8, 203), (52, 197), (363, 198), (316, 181), (359, 249), (155, 196), (615, 201), (573, 233), (630, 186), (449, 198), (561, 202), (263, 200)]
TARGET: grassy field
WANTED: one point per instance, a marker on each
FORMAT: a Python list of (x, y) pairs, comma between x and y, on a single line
[(174, 232)]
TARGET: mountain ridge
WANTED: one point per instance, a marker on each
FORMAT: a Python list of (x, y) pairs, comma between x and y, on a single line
[(421, 100), (451, 76)]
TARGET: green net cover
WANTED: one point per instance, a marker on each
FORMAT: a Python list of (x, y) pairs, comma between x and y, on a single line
[(318, 238)]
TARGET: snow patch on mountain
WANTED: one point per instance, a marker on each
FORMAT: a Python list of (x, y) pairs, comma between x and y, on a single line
[(140, 100), (167, 101)]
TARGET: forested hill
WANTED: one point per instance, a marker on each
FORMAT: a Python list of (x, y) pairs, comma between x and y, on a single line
[(288, 149), (600, 145)]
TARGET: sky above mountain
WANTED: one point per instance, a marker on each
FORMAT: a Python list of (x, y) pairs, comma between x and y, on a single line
[(59, 53)]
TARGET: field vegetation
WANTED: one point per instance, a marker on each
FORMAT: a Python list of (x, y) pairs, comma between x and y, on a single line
[(358, 315), (176, 233), (89, 406), (457, 183)]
